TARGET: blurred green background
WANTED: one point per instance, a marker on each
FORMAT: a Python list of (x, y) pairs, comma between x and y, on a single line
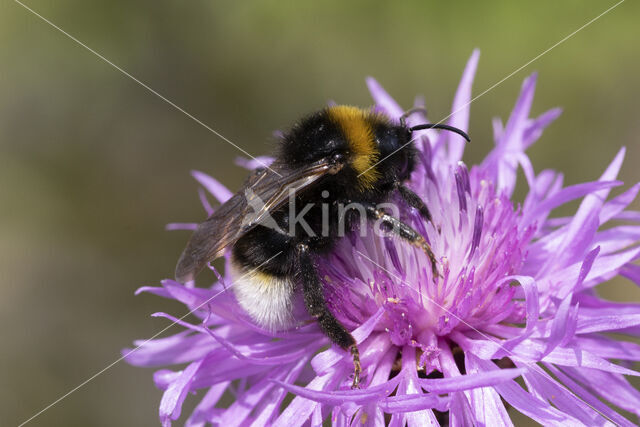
[(92, 165)]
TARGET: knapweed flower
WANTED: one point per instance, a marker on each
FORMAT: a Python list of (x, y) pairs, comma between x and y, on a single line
[(512, 323)]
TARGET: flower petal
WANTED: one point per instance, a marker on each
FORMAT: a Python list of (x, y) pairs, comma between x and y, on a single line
[(584, 224), (174, 395), (203, 412), (617, 390), (616, 205), (383, 100), (213, 186), (255, 162), (459, 116), (300, 408), (469, 381), (566, 195), (523, 401), (485, 402), (540, 383), (358, 396), (460, 411), (181, 226)]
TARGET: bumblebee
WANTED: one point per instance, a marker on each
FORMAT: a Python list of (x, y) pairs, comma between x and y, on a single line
[(338, 156)]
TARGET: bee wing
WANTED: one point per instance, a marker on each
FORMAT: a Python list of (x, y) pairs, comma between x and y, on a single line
[(220, 230), (265, 191)]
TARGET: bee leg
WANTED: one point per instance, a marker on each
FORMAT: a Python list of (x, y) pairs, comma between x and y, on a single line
[(406, 232), (317, 307), (414, 201)]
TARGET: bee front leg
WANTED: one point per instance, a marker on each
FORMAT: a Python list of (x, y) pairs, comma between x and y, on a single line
[(317, 307), (414, 201), (404, 231)]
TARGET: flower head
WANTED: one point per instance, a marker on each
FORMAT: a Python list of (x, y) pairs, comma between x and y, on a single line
[(515, 299)]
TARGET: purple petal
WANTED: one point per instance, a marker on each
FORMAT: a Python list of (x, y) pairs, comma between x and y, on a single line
[(562, 326), (358, 396), (608, 348), (617, 391), (485, 402), (240, 409), (468, 381), (383, 100), (589, 398), (582, 228), (460, 110), (523, 401), (153, 290), (204, 411), (256, 162), (610, 322), (181, 226), (566, 195), (605, 265), (615, 239), (540, 383), (534, 130), (179, 348), (204, 201), (299, 410), (409, 386), (273, 401), (516, 124), (631, 272), (413, 402), (528, 285), (501, 162), (616, 205), (274, 357), (527, 168), (460, 411), (531, 351), (213, 186), (174, 395)]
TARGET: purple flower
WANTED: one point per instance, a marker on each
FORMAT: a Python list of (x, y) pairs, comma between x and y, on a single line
[(516, 299)]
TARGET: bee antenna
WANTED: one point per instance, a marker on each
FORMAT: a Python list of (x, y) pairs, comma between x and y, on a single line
[(406, 114), (441, 126)]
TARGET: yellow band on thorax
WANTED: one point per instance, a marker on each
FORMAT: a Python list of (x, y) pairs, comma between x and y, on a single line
[(356, 124)]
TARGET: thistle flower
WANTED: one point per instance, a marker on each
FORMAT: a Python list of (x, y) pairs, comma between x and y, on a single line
[(515, 301)]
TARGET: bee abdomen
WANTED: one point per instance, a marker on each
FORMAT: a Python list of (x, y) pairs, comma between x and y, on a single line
[(268, 299)]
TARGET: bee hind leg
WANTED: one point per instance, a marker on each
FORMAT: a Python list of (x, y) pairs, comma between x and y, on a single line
[(317, 307)]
